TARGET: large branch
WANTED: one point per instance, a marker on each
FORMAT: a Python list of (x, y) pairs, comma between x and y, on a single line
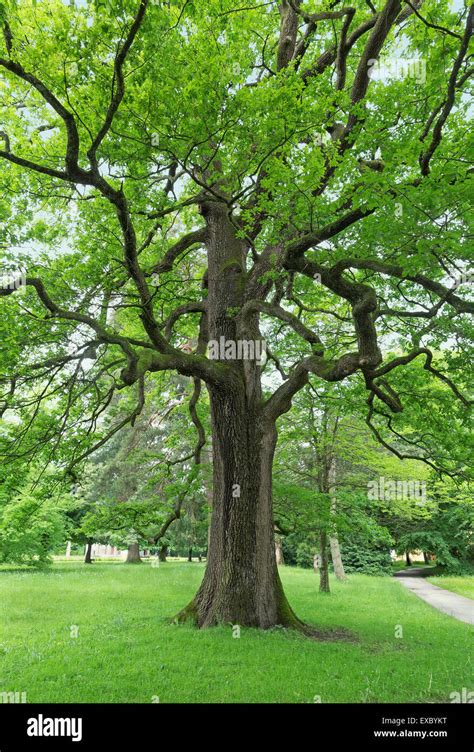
[(460, 305), (42, 169), (426, 156), (428, 366), (363, 302), (329, 56), (182, 310), (381, 30), (312, 239), (280, 313), (76, 316), (118, 85), (288, 32), (328, 370), (73, 171), (197, 237)]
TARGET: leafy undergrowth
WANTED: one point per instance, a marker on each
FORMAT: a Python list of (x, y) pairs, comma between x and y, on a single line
[(127, 651)]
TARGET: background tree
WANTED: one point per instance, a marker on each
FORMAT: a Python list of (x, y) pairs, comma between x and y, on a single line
[(143, 480)]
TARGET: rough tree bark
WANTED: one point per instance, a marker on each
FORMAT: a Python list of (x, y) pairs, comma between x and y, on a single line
[(241, 584), (162, 553)]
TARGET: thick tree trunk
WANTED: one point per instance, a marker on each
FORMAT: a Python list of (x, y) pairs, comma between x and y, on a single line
[(162, 553), (241, 584), (407, 558), (133, 554), (280, 559), (88, 554), (324, 565), (190, 554), (208, 489)]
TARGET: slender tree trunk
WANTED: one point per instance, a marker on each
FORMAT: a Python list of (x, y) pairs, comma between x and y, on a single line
[(280, 560), (190, 554), (337, 559), (88, 554), (407, 558), (426, 558), (133, 554), (333, 539), (68, 550), (162, 553), (324, 566)]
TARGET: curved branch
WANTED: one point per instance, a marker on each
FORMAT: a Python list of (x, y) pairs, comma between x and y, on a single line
[(254, 306), (391, 270), (198, 307), (426, 156), (198, 237), (118, 79), (72, 148)]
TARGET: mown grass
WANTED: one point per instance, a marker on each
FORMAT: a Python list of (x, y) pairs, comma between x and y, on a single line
[(460, 585), (127, 651)]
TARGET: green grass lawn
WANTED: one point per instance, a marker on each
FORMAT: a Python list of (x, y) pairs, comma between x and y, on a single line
[(127, 651), (461, 585)]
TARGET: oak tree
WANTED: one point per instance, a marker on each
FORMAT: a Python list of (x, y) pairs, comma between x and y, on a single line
[(179, 173)]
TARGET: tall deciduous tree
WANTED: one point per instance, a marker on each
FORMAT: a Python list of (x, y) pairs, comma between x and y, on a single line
[(218, 173)]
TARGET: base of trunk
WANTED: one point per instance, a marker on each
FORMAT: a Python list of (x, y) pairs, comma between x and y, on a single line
[(285, 618), (133, 554), (88, 554)]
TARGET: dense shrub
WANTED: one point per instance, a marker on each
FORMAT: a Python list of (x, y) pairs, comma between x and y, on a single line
[(359, 556), (30, 530)]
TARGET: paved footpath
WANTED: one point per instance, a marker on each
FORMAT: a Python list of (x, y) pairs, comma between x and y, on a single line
[(455, 605)]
